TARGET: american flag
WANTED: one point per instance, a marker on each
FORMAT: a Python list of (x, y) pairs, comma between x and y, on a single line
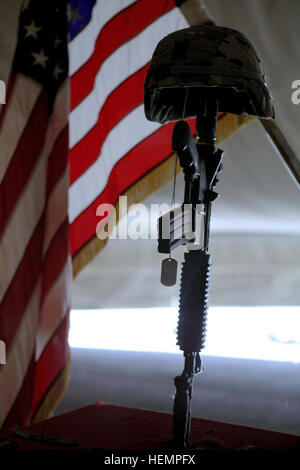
[(36, 268), (60, 159), (110, 49)]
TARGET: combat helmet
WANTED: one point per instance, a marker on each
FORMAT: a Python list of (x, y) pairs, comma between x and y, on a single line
[(208, 60)]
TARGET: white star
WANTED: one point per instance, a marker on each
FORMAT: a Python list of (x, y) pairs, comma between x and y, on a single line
[(57, 71), (40, 58), (25, 4), (74, 15), (57, 41), (32, 30)]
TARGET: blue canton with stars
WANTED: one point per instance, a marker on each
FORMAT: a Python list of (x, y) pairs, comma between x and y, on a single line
[(41, 51), (80, 13)]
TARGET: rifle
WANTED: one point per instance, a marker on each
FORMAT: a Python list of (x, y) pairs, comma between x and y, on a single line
[(200, 162)]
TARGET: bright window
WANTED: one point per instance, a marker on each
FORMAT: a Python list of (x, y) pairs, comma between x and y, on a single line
[(270, 333)]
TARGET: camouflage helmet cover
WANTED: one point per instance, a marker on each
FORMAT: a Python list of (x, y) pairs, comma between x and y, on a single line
[(208, 60)]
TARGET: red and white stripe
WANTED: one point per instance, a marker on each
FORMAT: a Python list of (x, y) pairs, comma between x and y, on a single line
[(34, 245), (108, 132)]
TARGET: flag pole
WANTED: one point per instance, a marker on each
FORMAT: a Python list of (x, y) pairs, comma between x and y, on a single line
[(282, 148)]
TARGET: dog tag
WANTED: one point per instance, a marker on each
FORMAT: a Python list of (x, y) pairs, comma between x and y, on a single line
[(168, 272)]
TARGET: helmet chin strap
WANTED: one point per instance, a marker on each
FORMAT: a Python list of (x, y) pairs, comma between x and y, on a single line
[(169, 265)]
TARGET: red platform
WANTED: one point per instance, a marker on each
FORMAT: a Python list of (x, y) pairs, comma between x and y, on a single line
[(112, 427)]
